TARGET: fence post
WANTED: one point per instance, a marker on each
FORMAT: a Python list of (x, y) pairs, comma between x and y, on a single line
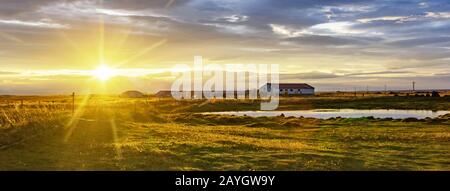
[(73, 103)]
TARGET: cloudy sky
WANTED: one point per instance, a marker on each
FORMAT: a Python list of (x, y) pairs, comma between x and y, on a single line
[(52, 46)]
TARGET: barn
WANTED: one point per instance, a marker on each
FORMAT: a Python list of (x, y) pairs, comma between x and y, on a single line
[(132, 94), (164, 93), (292, 88)]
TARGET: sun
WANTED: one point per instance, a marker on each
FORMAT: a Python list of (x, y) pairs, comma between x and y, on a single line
[(104, 72)]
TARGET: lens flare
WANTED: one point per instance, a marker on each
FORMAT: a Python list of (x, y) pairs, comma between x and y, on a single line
[(104, 72)]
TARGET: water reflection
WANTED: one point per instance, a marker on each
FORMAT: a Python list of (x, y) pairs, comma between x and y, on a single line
[(344, 113)]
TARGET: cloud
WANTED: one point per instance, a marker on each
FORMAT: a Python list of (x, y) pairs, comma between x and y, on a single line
[(308, 75), (421, 41), (43, 23), (446, 74), (402, 19), (320, 40), (75, 10), (333, 12), (2, 73), (335, 28), (374, 35), (379, 73), (397, 19), (438, 15), (235, 18), (11, 8), (423, 5), (127, 13), (285, 31), (323, 29)]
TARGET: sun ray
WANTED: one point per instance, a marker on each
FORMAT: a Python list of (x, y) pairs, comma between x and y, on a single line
[(117, 147), (11, 37), (143, 51), (75, 118), (101, 46), (169, 3), (70, 41)]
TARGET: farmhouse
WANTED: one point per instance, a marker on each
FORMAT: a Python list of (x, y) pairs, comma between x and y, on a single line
[(292, 88), (285, 89), (164, 93), (132, 94)]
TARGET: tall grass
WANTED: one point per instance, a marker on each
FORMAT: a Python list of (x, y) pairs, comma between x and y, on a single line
[(21, 123)]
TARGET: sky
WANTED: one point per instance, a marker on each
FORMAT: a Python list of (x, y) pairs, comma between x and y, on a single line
[(53, 46)]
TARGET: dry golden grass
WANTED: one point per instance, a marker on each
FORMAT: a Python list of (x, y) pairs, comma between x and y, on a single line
[(110, 133)]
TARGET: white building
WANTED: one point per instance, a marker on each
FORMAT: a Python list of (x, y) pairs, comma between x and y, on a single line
[(292, 88)]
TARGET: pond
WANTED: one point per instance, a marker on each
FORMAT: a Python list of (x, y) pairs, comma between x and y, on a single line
[(344, 113)]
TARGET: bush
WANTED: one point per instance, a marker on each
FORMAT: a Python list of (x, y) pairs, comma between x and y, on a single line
[(435, 94), (410, 119)]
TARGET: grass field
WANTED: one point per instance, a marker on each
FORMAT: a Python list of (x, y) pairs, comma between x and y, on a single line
[(110, 133)]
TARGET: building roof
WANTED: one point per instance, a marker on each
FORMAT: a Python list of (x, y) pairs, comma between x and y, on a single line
[(132, 93), (293, 86), (164, 93)]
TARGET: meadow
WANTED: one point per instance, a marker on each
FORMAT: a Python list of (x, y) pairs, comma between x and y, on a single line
[(112, 133)]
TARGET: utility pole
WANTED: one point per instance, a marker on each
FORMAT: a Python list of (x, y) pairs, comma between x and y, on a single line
[(414, 86)]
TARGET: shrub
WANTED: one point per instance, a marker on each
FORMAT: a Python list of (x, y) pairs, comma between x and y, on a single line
[(435, 94)]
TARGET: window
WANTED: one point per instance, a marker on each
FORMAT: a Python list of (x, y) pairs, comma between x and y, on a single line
[(291, 90)]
